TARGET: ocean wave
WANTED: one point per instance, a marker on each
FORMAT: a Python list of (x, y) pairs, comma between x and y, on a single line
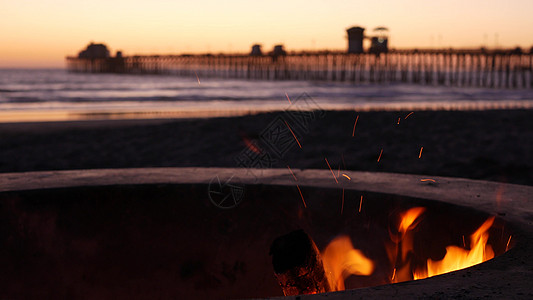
[(31, 86)]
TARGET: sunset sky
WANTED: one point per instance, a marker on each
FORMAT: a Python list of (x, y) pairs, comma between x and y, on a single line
[(42, 33)]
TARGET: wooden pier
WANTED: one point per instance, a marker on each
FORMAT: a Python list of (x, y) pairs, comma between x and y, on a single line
[(460, 69)]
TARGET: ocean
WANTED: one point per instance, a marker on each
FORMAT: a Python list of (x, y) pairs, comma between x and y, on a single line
[(55, 94)]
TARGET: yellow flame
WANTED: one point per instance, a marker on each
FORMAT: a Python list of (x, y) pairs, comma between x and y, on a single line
[(341, 260), (457, 258)]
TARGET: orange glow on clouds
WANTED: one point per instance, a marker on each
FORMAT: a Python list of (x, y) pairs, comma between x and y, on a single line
[(41, 33)]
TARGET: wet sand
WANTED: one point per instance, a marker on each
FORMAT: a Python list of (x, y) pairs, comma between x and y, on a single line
[(492, 145)]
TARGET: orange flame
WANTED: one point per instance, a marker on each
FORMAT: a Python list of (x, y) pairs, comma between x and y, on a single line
[(457, 258), (408, 219), (403, 245), (341, 260)]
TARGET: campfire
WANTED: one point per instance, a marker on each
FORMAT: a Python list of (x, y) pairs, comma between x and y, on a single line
[(302, 269), (159, 234)]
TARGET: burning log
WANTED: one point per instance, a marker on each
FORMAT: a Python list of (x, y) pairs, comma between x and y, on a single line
[(297, 264)]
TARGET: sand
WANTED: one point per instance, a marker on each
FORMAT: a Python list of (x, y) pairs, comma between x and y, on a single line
[(492, 145)]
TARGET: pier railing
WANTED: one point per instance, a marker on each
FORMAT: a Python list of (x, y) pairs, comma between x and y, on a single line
[(430, 68)]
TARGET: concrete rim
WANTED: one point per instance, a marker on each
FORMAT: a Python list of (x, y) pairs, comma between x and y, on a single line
[(491, 197), (504, 277)]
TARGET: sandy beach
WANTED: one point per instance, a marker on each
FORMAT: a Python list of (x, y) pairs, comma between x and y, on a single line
[(492, 145)]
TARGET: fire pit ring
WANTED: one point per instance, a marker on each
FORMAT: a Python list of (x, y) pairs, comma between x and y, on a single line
[(506, 276)]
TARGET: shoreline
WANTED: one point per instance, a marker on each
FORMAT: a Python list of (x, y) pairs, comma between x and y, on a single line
[(159, 111)]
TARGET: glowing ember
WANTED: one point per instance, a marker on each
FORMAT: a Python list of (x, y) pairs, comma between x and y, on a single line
[(457, 258), (341, 260)]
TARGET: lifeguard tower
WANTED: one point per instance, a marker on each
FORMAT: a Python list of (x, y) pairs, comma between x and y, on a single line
[(380, 40), (355, 39)]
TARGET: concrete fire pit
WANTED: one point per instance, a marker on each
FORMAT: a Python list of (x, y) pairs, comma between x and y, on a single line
[(56, 227)]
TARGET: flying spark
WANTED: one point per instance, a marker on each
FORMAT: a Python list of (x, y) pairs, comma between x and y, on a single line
[(464, 244), (354, 124), (393, 274), (301, 195), (293, 134), (197, 78), (508, 241), (250, 145), (327, 162), (380, 153), (360, 203), (420, 154), (409, 115), (295, 179), (348, 177), (399, 121), (288, 98), (427, 179)]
